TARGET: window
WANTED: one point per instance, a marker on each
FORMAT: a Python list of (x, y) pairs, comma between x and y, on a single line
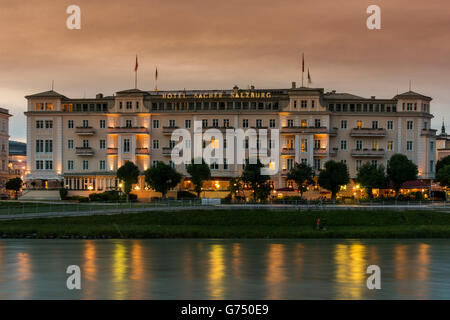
[(69, 144), (85, 164), (155, 144), (205, 123), (316, 144), (343, 124), (409, 125), (290, 123), (409, 145), (295, 104), (272, 123), (246, 143), (128, 124), (289, 164), (226, 123), (375, 144), (432, 146), (39, 124), (390, 125), (172, 143), (171, 123), (317, 164), (129, 105), (85, 123), (102, 144), (187, 124), (70, 124), (39, 146), (375, 124), (214, 164), (48, 165), (425, 125), (313, 103), (69, 164), (259, 123), (155, 124), (102, 165), (304, 123), (358, 164), (39, 165), (374, 163), (343, 144), (317, 123), (390, 146), (225, 164), (85, 143), (431, 166), (359, 144), (304, 103), (48, 124), (304, 145), (102, 124), (137, 104), (126, 145), (48, 146), (215, 123), (359, 124)]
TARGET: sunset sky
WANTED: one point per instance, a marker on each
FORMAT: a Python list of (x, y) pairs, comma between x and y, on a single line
[(201, 44)]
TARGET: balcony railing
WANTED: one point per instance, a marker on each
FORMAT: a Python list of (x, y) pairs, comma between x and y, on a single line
[(428, 132), (85, 131), (368, 153), (288, 151), (84, 151), (308, 130), (169, 130), (368, 132), (320, 152), (167, 151), (142, 151), (115, 130), (112, 150)]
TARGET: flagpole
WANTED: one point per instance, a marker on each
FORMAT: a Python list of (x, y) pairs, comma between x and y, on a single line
[(303, 67)]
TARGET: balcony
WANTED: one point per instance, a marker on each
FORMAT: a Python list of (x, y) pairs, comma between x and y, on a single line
[(168, 151), (118, 130), (309, 130), (112, 151), (368, 153), (85, 131), (169, 130), (428, 133), (368, 132), (320, 152), (142, 151), (84, 151), (221, 129), (288, 152)]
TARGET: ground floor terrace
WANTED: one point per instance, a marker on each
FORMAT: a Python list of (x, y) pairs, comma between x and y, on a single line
[(218, 187)]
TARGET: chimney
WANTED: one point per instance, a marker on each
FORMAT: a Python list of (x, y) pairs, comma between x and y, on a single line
[(293, 84), (373, 97), (252, 87), (99, 96)]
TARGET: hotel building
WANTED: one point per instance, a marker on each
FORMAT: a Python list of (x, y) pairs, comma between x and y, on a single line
[(80, 143), (4, 146)]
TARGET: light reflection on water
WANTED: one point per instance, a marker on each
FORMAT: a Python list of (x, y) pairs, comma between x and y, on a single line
[(225, 269)]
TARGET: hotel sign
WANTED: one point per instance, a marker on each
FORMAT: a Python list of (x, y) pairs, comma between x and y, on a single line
[(215, 95)]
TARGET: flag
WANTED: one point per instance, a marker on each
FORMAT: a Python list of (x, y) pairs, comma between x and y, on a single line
[(137, 65), (156, 74), (309, 77), (156, 79), (303, 62)]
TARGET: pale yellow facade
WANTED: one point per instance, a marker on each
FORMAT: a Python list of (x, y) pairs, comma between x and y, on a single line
[(91, 138)]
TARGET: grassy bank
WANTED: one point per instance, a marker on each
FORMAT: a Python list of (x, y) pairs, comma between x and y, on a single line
[(237, 224)]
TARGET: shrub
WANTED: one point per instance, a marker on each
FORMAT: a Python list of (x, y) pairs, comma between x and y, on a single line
[(63, 193), (185, 195)]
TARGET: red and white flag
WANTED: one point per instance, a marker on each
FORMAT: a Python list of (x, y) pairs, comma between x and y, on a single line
[(303, 62), (309, 77)]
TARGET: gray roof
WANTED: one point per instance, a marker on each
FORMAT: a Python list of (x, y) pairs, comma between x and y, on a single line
[(411, 95), (342, 96), (47, 94)]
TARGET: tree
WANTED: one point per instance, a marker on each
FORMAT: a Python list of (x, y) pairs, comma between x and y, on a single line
[(162, 178), (371, 176), (333, 177), (252, 175), (15, 185), (443, 176), (199, 174), (263, 191), (236, 188), (442, 163), (302, 174), (399, 170), (129, 174)]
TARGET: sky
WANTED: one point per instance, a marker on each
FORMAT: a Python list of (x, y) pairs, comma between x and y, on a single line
[(200, 44)]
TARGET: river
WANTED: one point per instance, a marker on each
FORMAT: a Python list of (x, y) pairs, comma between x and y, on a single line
[(225, 269)]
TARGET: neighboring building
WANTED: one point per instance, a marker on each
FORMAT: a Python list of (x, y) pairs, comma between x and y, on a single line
[(442, 144), (17, 159), (4, 154), (80, 143)]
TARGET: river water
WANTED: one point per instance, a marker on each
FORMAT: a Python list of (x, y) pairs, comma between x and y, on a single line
[(225, 269)]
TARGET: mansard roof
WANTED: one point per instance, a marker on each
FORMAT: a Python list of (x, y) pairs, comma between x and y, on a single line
[(47, 94), (412, 95)]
